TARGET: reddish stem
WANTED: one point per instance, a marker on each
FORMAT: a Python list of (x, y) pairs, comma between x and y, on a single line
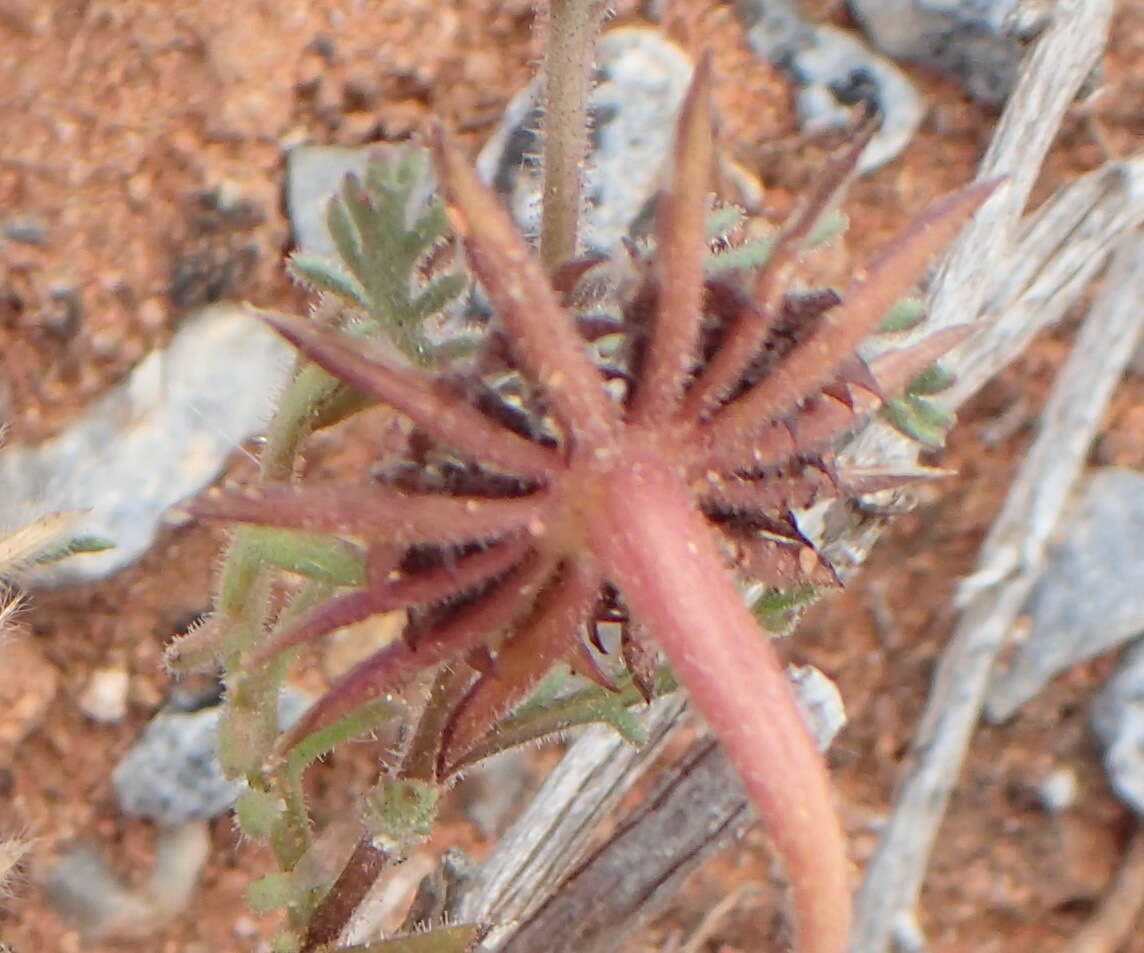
[(377, 511), (357, 877), (681, 227), (655, 545)]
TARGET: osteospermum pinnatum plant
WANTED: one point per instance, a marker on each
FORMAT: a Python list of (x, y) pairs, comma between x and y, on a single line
[(623, 451)]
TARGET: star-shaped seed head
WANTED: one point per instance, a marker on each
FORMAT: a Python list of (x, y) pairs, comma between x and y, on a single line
[(618, 455)]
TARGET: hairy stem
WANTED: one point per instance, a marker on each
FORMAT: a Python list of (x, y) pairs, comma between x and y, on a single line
[(360, 873), (662, 556), (308, 388), (588, 706), (571, 36), (245, 572), (449, 685)]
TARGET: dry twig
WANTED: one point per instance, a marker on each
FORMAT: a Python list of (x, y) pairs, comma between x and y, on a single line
[(1017, 543)]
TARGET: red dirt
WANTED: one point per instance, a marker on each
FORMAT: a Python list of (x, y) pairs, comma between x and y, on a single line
[(119, 117)]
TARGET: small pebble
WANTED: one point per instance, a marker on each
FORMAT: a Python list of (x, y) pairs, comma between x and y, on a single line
[(104, 698), (362, 91), (28, 231), (245, 928), (63, 313), (88, 892), (1058, 791)]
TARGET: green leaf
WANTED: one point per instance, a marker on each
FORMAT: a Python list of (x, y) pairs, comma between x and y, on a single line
[(438, 293), (778, 610), (323, 274), (625, 723), (325, 558), (460, 939), (365, 718), (90, 544), (401, 812), (543, 717), (257, 813), (827, 228), (745, 257), (375, 230), (934, 380), (249, 724), (286, 941), (428, 231), (724, 219), (906, 314), (74, 546), (342, 231), (342, 403), (201, 649), (271, 892), (381, 252), (458, 347), (754, 252), (920, 419), (932, 414)]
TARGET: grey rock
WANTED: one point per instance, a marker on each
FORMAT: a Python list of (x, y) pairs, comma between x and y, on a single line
[(834, 70), (172, 774), (1090, 597), (977, 42), (159, 438), (28, 231), (1118, 719), (642, 78)]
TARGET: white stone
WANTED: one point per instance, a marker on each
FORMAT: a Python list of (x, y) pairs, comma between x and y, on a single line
[(1058, 791), (104, 698)]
